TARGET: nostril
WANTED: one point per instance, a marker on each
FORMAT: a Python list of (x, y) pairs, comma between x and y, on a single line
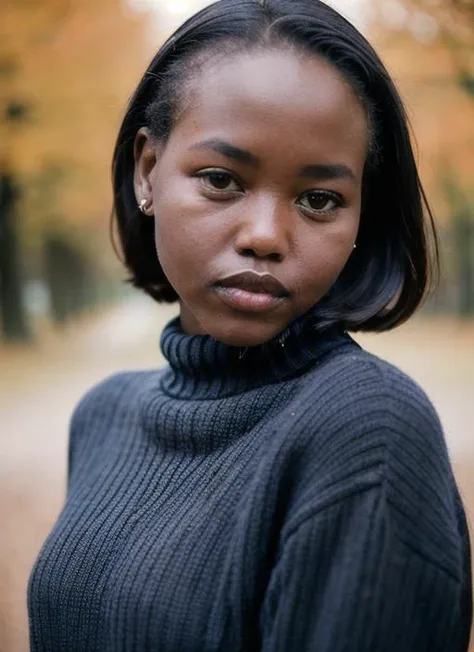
[(250, 253), (276, 258)]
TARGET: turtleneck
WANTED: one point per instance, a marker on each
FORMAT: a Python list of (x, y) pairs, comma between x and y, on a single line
[(203, 368), (211, 394)]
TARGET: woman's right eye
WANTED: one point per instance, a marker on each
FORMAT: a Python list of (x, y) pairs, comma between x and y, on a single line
[(218, 180)]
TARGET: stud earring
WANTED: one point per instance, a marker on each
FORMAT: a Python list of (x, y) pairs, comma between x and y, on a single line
[(355, 246), (142, 205)]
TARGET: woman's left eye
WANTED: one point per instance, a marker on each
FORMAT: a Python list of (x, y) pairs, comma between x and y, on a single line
[(321, 201)]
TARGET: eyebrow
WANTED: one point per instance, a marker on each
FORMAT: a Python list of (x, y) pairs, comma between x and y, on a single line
[(325, 172), (319, 172), (230, 151)]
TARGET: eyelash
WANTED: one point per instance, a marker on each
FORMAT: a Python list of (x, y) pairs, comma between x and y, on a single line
[(223, 194)]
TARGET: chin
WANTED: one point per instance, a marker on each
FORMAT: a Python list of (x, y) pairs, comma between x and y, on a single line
[(245, 334), (234, 328)]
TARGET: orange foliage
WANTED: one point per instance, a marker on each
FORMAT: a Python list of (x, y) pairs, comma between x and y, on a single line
[(74, 64), (441, 111)]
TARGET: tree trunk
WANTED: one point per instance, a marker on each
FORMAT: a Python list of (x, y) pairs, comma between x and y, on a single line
[(13, 314), (67, 278), (464, 246)]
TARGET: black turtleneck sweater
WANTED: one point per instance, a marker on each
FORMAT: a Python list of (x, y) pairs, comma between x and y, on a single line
[(287, 498)]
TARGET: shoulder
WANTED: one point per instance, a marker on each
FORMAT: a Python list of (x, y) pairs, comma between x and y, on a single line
[(370, 427), (116, 392), (356, 389), (418, 480), (359, 407), (106, 411), (393, 406)]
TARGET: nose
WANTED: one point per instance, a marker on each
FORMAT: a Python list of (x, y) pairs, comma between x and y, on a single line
[(264, 230)]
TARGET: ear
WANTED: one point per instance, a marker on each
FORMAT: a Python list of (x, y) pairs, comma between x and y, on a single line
[(145, 154)]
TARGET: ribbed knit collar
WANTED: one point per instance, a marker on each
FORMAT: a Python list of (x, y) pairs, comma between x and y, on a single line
[(201, 367)]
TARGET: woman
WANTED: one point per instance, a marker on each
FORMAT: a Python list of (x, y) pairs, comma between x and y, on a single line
[(274, 487)]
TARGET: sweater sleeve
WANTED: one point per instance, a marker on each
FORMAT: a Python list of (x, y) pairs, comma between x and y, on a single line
[(345, 582)]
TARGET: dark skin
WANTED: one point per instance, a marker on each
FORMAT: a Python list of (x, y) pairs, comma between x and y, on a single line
[(262, 172)]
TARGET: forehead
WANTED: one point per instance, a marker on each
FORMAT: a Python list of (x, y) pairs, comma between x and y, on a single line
[(298, 101)]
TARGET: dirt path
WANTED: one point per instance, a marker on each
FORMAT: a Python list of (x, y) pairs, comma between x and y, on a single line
[(39, 389)]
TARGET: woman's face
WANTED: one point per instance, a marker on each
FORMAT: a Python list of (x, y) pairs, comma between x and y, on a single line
[(257, 193)]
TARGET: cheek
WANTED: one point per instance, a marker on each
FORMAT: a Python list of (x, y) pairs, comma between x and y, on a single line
[(172, 245), (189, 231), (324, 254), (183, 243), (173, 237)]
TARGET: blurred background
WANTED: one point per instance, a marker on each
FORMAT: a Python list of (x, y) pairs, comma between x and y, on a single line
[(67, 319)]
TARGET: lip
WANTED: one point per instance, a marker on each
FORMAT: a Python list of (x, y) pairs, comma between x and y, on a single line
[(250, 291), (251, 281)]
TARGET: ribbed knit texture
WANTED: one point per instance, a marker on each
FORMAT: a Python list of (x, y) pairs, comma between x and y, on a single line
[(287, 498)]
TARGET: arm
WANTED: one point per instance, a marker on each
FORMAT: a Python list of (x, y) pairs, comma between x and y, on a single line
[(345, 582)]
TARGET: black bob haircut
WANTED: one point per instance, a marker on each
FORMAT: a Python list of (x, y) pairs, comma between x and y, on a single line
[(396, 259)]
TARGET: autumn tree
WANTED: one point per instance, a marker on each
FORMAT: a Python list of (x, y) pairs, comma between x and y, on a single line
[(429, 47), (66, 70), (452, 22)]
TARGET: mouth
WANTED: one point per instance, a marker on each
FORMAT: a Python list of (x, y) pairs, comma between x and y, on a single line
[(252, 292)]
